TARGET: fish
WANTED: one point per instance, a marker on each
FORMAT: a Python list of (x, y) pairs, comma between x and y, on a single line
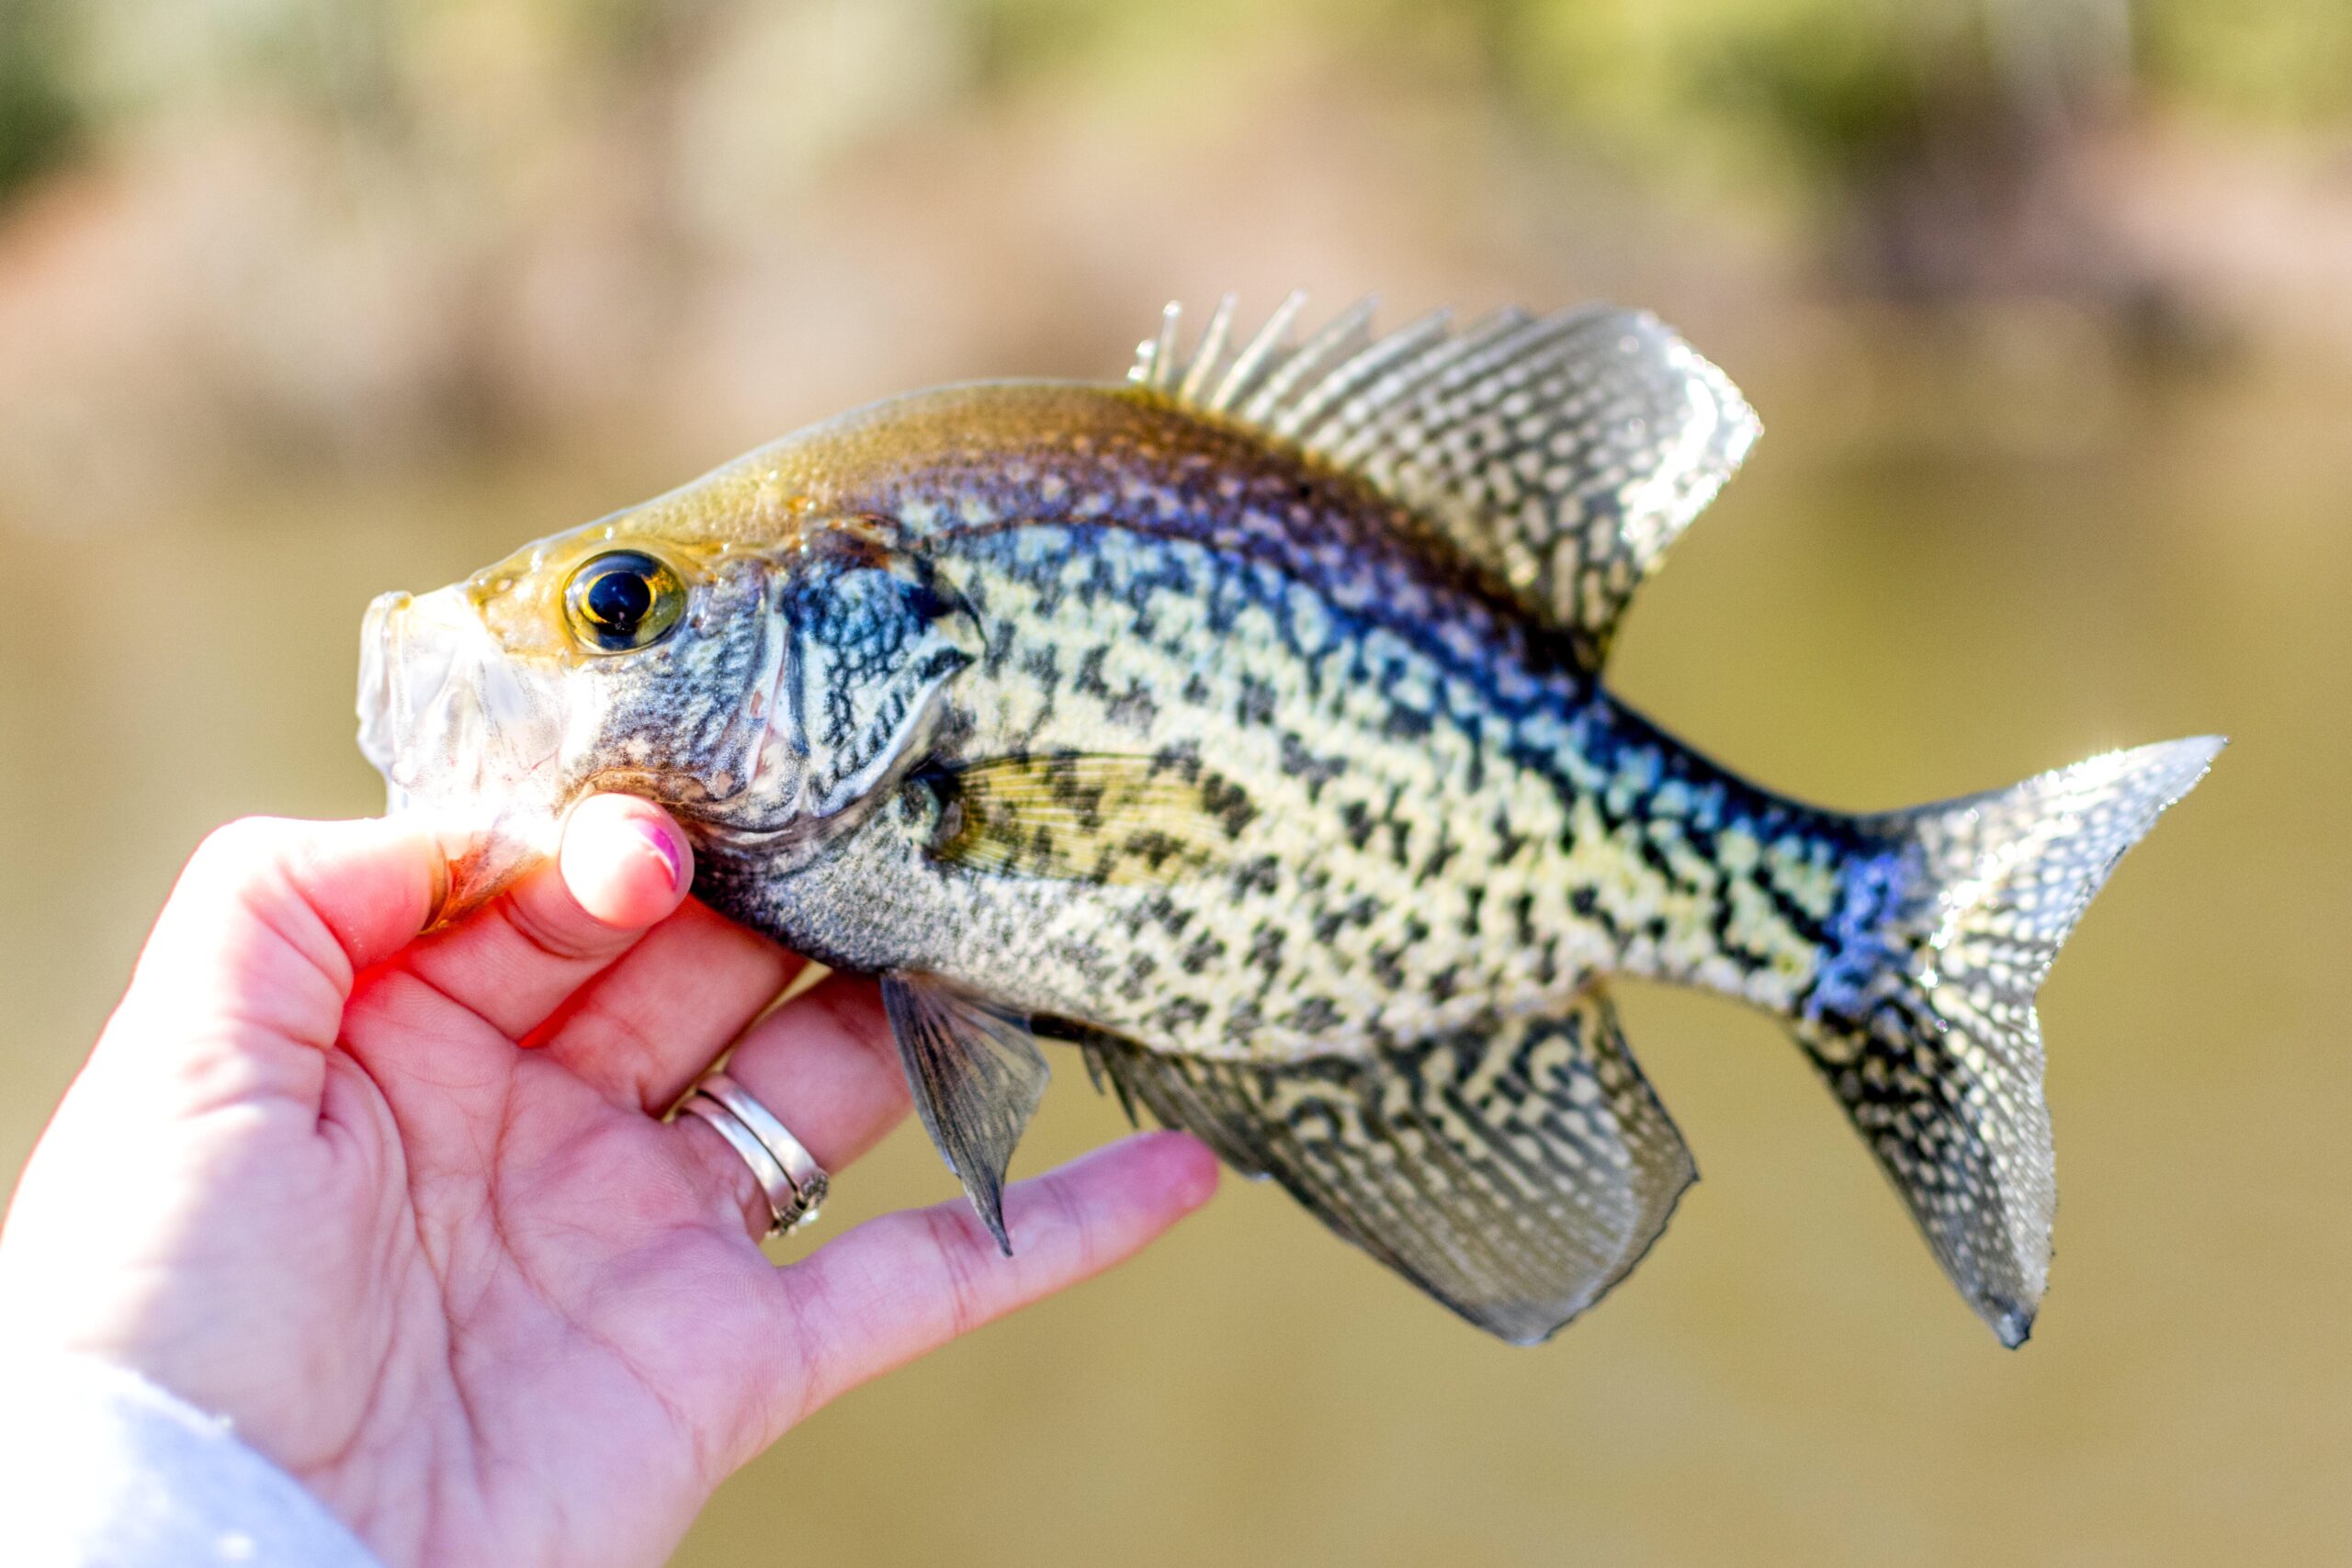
[(1243, 725)]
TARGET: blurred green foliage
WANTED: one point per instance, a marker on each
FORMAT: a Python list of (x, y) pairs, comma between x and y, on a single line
[(2285, 61), (1838, 87), (1809, 90), (37, 115)]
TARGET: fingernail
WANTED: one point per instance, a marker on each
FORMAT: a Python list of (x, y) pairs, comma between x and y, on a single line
[(658, 838)]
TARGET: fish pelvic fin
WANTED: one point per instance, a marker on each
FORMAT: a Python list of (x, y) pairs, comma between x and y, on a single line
[(1515, 1172), (977, 1077), (1557, 456), (1923, 1021)]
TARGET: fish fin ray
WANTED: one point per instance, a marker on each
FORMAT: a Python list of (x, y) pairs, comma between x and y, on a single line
[(1090, 817), (1559, 456), (1924, 1024), (977, 1077), (1515, 1172)]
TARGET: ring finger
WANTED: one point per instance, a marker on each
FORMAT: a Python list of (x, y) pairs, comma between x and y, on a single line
[(823, 1065)]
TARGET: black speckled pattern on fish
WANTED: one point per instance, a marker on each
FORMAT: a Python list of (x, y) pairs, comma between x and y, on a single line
[(1245, 726)]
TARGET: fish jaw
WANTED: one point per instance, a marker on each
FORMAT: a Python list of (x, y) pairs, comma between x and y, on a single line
[(497, 736), (466, 734)]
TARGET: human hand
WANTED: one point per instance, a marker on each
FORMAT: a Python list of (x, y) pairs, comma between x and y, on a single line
[(400, 1205)]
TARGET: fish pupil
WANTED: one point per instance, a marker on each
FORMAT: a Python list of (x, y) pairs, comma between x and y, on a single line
[(619, 600), (622, 600)]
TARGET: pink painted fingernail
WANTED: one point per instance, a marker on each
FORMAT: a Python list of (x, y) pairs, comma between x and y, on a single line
[(659, 837)]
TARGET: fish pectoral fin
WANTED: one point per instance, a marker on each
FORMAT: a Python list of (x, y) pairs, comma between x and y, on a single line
[(1090, 817), (977, 1077), (1559, 456), (1515, 1172)]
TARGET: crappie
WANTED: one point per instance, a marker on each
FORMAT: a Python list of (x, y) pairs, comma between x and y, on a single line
[(1243, 725)]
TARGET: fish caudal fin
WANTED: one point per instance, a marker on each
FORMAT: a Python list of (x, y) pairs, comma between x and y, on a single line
[(1515, 1172), (1923, 1022)]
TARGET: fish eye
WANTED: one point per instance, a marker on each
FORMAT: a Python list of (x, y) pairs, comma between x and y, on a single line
[(623, 600)]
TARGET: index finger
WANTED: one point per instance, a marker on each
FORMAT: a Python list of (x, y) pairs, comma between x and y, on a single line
[(272, 920)]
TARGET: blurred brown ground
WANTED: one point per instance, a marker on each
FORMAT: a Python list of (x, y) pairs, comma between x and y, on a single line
[(2048, 313)]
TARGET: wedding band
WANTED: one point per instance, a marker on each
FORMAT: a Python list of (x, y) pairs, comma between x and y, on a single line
[(808, 1178), (789, 1177)]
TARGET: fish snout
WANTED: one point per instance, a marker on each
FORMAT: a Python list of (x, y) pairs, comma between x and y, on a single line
[(460, 729), (415, 709), (379, 735)]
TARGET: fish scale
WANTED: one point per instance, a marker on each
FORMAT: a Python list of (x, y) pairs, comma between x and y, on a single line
[(1245, 727), (1381, 918)]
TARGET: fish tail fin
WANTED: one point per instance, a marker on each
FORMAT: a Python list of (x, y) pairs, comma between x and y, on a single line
[(1922, 1019)]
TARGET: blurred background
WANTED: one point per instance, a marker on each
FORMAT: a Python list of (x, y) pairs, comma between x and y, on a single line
[(2047, 306)]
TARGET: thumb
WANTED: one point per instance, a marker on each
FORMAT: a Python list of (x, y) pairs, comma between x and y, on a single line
[(623, 867), (272, 921)]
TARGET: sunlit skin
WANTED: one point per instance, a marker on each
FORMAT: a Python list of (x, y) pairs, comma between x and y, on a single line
[(399, 1205)]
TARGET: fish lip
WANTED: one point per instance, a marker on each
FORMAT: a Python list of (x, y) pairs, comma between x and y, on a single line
[(449, 728), (439, 700), (674, 789), (381, 639)]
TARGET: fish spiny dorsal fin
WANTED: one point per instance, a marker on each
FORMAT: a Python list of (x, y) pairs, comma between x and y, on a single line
[(1561, 455)]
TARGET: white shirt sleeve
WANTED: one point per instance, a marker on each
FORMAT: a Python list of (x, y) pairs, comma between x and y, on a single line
[(101, 1469)]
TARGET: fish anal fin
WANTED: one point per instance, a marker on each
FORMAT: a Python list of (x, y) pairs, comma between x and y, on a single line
[(1515, 1172), (1090, 817), (1559, 456), (977, 1077)]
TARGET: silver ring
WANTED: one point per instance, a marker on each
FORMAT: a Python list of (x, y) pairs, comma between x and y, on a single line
[(808, 1178), (789, 1177)]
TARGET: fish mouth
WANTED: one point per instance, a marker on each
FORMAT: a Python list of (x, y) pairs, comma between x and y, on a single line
[(464, 731), (381, 650)]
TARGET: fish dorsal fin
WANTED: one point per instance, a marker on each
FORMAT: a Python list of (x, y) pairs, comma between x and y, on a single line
[(1560, 455)]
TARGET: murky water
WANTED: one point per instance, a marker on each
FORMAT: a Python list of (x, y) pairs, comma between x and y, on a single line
[(1788, 1378)]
